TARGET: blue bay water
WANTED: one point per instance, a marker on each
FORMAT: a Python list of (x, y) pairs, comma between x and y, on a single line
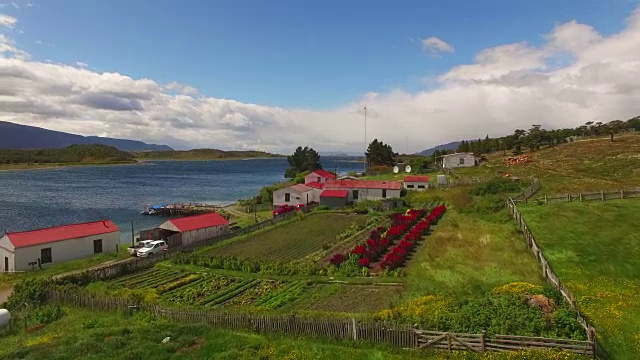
[(50, 197)]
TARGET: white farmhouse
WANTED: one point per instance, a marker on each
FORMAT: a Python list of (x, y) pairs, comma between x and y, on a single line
[(21, 251), (319, 176), (459, 160), (296, 195), (366, 189), (197, 228)]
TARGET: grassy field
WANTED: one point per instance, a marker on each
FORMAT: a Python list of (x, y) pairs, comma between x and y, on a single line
[(94, 335), (594, 248), (354, 298), (293, 240), (591, 164)]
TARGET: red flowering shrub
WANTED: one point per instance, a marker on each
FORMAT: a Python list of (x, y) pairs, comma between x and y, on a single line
[(337, 259), (364, 262)]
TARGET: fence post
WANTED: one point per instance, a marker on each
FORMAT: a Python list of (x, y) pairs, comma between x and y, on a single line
[(580, 196), (484, 343), (545, 199), (621, 193), (354, 329), (602, 194)]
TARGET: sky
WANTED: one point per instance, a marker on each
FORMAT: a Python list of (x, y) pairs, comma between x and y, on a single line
[(272, 75)]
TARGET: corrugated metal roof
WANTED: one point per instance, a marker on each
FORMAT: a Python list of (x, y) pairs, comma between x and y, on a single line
[(315, 184), (60, 233), (324, 173), (416, 178), (300, 188), (335, 193), (363, 184), (199, 221)]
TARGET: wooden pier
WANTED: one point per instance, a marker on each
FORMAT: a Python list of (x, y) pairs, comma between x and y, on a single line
[(183, 209)]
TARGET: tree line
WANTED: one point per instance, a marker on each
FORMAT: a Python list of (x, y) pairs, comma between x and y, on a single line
[(537, 136), (70, 154)]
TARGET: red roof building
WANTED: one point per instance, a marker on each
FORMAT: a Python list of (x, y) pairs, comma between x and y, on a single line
[(416, 178), (320, 176), (26, 250), (192, 229), (335, 193), (198, 222), (363, 184), (315, 185), (60, 233)]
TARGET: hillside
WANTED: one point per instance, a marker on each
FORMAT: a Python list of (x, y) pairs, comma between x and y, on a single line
[(448, 146), (70, 155), (590, 164), (201, 154), (16, 136)]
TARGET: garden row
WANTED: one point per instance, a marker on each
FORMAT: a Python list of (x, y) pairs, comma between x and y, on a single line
[(207, 290), (381, 247)]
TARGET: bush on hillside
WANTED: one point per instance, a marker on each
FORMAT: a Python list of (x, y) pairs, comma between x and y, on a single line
[(497, 186)]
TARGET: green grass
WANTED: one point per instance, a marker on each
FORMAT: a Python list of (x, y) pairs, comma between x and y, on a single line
[(293, 240), (83, 334), (468, 255), (594, 248), (587, 165)]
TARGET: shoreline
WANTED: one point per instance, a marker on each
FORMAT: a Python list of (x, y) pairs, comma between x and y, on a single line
[(211, 159)]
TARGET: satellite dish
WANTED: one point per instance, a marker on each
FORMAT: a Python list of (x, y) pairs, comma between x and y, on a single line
[(408, 168), (395, 169)]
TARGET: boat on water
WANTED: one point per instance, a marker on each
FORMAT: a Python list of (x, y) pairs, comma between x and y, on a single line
[(153, 210)]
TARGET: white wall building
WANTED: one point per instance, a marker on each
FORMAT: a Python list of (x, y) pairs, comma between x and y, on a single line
[(319, 176), (21, 251), (459, 160), (198, 227), (296, 195), (366, 189), (416, 182)]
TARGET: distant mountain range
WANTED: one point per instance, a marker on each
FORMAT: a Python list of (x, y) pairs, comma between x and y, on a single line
[(16, 136), (448, 146)]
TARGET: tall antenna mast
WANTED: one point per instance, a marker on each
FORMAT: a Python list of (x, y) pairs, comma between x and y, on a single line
[(364, 171)]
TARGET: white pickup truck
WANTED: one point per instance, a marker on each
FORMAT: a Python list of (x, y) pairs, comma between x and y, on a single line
[(155, 247), (133, 250)]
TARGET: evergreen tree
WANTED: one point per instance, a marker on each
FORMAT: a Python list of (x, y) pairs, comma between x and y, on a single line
[(303, 159), (379, 153)]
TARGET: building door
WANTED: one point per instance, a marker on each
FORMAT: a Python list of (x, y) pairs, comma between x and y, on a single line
[(45, 256), (355, 195), (6, 264), (384, 193), (97, 246)]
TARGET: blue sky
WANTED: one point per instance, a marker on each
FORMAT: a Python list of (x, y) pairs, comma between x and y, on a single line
[(294, 54), (273, 75)]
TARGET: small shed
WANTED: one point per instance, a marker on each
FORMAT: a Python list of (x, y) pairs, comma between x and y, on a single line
[(319, 176), (295, 195), (335, 199), (458, 160), (197, 228), (416, 182), (21, 251)]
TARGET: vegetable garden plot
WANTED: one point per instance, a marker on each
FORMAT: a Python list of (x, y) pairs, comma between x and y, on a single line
[(291, 241), (286, 294)]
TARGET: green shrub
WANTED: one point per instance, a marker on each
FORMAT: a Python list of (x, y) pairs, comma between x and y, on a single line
[(32, 291), (497, 186), (47, 314)]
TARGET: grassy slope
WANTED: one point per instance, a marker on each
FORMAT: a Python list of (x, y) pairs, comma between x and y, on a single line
[(201, 154), (595, 249), (591, 164), (93, 335), (311, 234), (468, 254)]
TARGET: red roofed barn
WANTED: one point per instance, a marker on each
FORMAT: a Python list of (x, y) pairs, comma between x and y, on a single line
[(416, 182), (197, 228), (319, 176), (335, 199), (56, 244)]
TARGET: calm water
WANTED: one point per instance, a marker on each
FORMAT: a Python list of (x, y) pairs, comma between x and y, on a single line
[(42, 198)]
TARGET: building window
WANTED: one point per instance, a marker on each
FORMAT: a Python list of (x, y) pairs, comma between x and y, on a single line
[(319, 179), (410, 186), (384, 193), (97, 246), (420, 186), (355, 194), (287, 197), (461, 161), (6, 264), (45, 256)]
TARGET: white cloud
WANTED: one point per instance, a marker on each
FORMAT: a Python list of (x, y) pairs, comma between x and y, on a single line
[(7, 21), (434, 45), (577, 75), (81, 64)]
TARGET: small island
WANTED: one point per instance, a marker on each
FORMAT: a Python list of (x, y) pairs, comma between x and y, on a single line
[(80, 154), (202, 154)]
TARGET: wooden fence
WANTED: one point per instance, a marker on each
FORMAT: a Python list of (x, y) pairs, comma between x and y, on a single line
[(338, 329), (548, 274), (132, 264), (587, 196), (528, 192)]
